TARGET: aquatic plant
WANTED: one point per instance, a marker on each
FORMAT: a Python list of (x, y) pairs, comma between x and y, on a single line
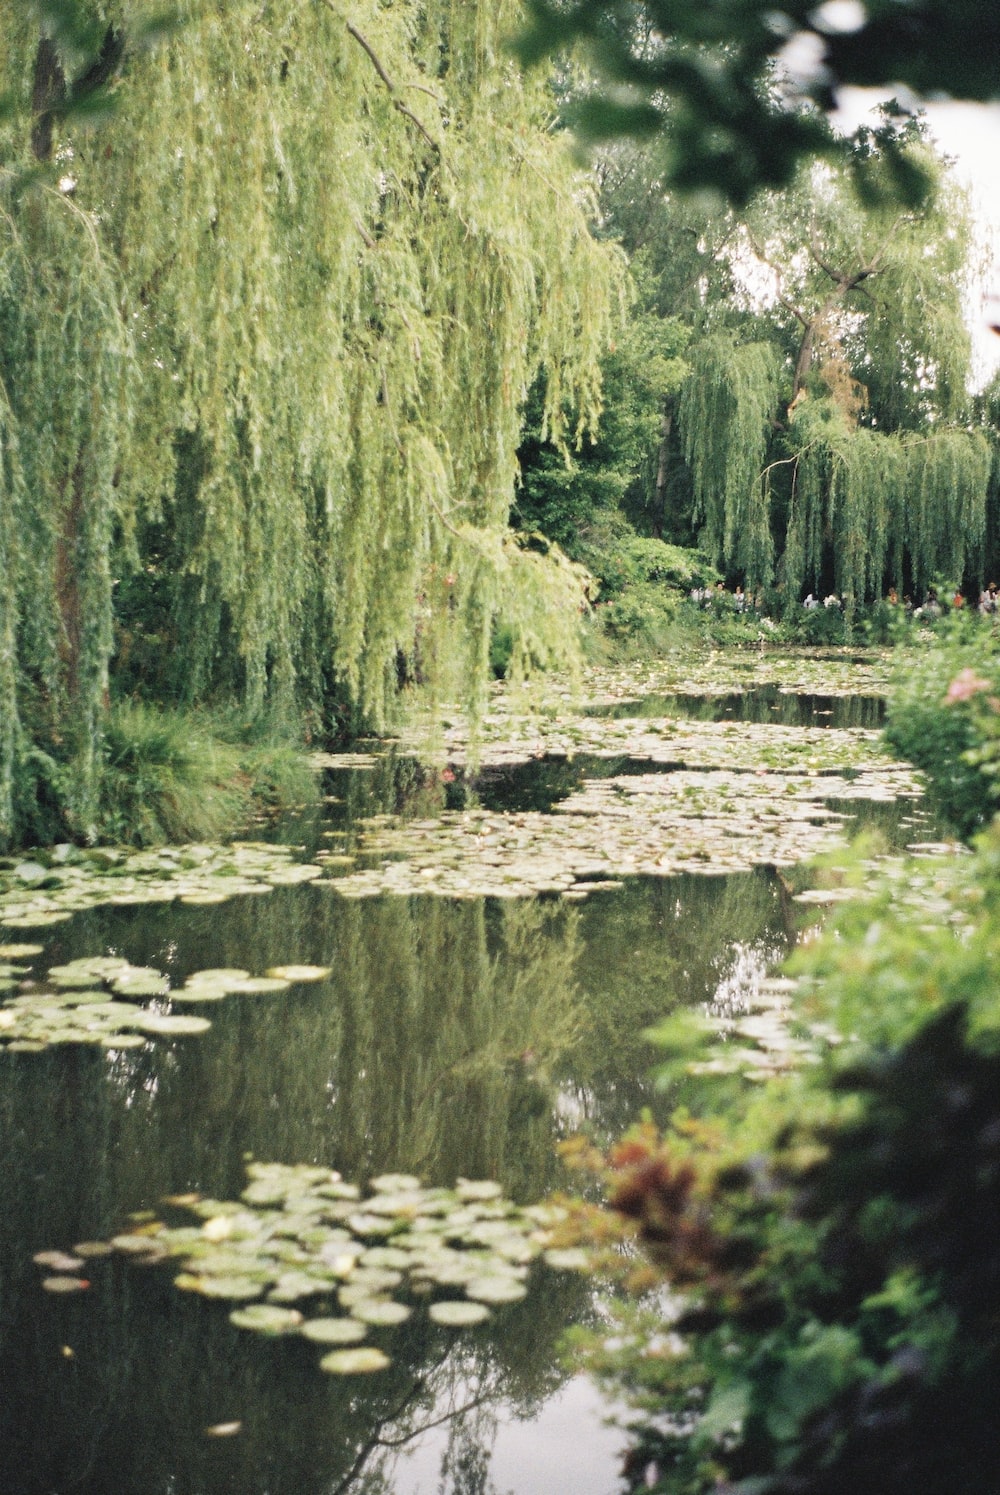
[(301, 1235)]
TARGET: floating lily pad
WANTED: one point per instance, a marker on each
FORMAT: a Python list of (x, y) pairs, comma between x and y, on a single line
[(266, 1318), (200, 991), (458, 1315), (170, 1025), (220, 975), (261, 985), (395, 1183), (393, 1258), (140, 985), (233, 1289), (62, 1284), (495, 1290), (292, 1287), (359, 1362), (383, 1312), (20, 951), (57, 1261), (132, 1244), (334, 1330)]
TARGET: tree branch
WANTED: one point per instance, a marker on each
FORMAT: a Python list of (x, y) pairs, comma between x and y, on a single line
[(387, 82)]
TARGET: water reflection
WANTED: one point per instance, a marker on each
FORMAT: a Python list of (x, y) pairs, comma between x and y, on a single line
[(453, 1038), (760, 703)]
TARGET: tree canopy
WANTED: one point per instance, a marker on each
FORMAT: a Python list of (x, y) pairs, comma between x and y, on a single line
[(265, 339)]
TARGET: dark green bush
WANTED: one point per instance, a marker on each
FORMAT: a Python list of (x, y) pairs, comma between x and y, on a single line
[(171, 775), (837, 1243)]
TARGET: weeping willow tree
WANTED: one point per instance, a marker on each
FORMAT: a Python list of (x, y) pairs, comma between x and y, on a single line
[(726, 409), (897, 507), (866, 476), (265, 336)]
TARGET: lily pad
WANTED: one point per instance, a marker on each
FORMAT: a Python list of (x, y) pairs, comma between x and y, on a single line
[(219, 976), (359, 1362), (383, 1312), (299, 974), (266, 1318), (495, 1290), (334, 1330), (234, 1289), (454, 1314), (395, 1183), (140, 985), (170, 1025), (260, 985), (57, 1261)]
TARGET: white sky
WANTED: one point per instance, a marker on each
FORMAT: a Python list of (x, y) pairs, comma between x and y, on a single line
[(970, 133)]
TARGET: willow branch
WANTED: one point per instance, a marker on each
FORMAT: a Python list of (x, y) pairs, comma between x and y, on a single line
[(387, 82)]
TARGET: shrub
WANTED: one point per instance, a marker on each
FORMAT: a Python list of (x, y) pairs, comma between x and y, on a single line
[(166, 779), (837, 1244), (944, 715)]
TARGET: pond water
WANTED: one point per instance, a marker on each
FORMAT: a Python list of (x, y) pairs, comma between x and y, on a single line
[(762, 703), (452, 1038)]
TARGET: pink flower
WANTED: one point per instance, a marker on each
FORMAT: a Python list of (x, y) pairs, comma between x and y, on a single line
[(965, 685)]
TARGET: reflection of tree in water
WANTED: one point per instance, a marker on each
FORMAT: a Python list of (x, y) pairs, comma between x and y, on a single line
[(428, 1050), (152, 1369), (661, 944)]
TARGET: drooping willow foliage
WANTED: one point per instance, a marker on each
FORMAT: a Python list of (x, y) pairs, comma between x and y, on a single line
[(897, 508), (272, 336), (726, 408), (865, 478)]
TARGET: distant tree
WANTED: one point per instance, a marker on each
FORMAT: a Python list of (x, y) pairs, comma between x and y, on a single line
[(823, 422)]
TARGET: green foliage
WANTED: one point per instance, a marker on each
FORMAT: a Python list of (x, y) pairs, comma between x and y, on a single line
[(164, 780), (562, 491), (944, 716), (270, 344), (171, 775), (866, 477), (836, 1243), (641, 620), (725, 413), (703, 76), (643, 582)]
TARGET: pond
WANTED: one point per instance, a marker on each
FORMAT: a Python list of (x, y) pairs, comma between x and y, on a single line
[(457, 1035)]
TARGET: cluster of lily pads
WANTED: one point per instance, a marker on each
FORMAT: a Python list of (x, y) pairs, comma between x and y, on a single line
[(524, 722), (99, 999), (53, 884), (301, 1235), (655, 824)]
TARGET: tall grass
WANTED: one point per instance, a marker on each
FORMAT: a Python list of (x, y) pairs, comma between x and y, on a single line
[(172, 775)]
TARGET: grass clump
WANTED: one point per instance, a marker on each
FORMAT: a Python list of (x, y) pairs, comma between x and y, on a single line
[(172, 775)]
